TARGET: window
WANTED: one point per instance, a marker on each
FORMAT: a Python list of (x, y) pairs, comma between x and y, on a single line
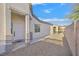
[(37, 27)]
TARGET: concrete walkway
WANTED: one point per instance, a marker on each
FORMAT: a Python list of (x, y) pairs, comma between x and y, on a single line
[(43, 48)]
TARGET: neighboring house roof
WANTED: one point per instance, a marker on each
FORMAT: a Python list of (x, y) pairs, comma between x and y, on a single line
[(36, 17)]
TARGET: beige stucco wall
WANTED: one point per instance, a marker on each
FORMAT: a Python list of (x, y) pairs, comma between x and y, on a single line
[(6, 36), (77, 37), (5, 17), (51, 29), (21, 8), (1, 21), (44, 29), (69, 35), (2, 28)]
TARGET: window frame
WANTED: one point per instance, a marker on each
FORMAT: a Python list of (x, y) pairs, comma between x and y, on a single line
[(36, 28)]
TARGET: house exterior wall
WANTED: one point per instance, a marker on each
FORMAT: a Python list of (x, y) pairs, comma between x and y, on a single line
[(2, 28), (52, 29), (19, 9), (6, 37), (44, 29), (58, 28)]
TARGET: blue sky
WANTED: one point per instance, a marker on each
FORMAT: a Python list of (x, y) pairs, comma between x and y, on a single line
[(53, 13)]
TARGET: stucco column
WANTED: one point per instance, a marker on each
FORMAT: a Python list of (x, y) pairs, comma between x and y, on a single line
[(2, 28), (27, 29), (8, 28)]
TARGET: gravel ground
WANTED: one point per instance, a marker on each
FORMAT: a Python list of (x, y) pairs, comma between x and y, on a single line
[(43, 48)]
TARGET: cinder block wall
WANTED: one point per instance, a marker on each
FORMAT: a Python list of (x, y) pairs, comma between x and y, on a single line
[(70, 36)]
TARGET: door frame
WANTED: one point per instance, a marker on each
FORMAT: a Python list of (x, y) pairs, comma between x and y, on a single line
[(13, 30), (27, 27)]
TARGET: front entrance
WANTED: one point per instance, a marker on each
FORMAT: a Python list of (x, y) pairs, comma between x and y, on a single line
[(18, 30), (18, 22)]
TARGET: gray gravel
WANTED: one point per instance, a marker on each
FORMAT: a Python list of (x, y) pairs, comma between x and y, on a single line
[(43, 48)]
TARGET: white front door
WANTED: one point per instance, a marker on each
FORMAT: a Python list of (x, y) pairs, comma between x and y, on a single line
[(18, 26)]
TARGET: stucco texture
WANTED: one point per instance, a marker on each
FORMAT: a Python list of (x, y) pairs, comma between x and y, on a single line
[(72, 37)]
